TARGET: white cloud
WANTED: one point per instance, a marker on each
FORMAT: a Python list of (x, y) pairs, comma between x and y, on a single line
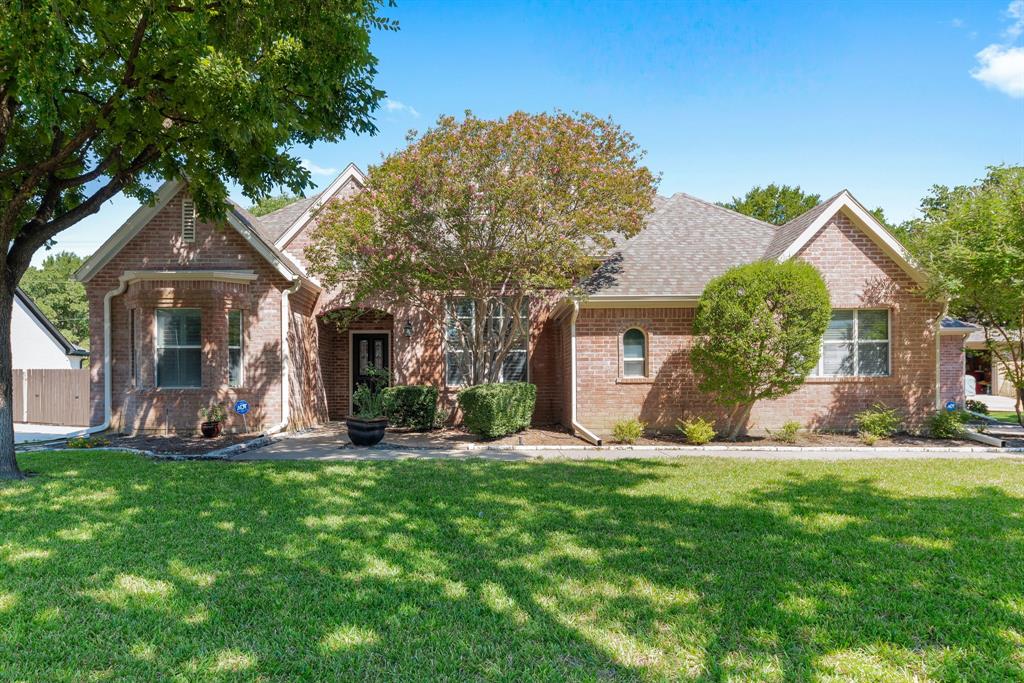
[(1015, 12), (318, 170), (396, 106), (1002, 68), (957, 23)]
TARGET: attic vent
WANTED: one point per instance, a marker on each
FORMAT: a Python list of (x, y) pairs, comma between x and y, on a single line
[(188, 221)]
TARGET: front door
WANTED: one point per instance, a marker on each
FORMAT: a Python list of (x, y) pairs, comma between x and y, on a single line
[(369, 350)]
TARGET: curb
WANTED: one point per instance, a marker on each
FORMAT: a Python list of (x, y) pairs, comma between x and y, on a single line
[(740, 449)]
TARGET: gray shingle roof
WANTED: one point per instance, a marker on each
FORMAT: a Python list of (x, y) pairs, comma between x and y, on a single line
[(686, 242), (273, 224), (787, 233)]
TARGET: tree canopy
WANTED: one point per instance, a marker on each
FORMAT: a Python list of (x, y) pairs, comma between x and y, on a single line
[(775, 204), (970, 240), (100, 97), (759, 329), (476, 217), (59, 295)]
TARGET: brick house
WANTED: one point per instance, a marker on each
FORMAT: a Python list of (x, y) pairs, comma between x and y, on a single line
[(184, 313)]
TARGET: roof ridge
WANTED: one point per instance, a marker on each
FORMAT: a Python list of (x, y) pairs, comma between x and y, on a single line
[(282, 208), (716, 205), (824, 202)]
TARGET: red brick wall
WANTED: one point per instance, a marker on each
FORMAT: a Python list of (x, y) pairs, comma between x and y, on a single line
[(859, 275), (952, 368), (307, 397), (158, 246)]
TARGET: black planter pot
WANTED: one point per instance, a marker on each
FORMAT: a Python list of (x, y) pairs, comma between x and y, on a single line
[(210, 429), (366, 432)]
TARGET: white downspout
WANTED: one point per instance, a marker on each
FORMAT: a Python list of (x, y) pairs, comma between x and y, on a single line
[(285, 360), (578, 429), (107, 379)]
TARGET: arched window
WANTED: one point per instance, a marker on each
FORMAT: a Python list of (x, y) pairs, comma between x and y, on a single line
[(634, 353)]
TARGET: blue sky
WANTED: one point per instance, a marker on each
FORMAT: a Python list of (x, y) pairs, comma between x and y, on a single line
[(882, 98)]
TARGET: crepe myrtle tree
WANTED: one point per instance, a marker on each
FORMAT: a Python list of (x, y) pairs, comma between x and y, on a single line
[(475, 218), (759, 329), (99, 98), (970, 242)]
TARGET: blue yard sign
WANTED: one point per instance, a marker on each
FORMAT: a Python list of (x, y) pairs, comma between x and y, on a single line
[(242, 407), (950, 406)]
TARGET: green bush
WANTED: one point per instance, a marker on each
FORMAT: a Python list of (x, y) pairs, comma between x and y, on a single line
[(628, 431), (412, 407), (976, 406), (944, 424), (787, 433), (697, 430), (495, 410), (877, 422)]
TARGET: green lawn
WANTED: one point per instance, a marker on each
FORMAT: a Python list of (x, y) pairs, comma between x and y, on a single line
[(1008, 416), (116, 567)]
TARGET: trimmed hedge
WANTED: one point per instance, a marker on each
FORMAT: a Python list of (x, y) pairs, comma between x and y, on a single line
[(413, 407), (495, 410)]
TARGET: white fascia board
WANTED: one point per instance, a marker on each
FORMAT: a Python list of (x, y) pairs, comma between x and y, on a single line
[(351, 171), (235, 276), (128, 230), (639, 302), (875, 230), (287, 272)]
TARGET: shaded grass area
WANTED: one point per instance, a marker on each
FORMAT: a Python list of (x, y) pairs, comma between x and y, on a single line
[(118, 567), (1007, 416)]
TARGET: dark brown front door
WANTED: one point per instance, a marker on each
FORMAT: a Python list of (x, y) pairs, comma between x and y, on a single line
[(369, 350)]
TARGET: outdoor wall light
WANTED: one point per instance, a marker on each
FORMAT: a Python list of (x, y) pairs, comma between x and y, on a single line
[(407, 329)]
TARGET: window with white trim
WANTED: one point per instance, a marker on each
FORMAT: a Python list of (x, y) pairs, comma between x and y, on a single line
[(458, 357), (179, 347), (188, 221), (235, 355), (634, 353), (856, 344)]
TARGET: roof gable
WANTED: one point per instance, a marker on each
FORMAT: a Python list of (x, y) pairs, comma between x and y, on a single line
[(795, 235), (238, 218), (47, 325), (309, 209)]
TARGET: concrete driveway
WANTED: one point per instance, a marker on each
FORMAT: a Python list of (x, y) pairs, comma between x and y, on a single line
[(27, 431)]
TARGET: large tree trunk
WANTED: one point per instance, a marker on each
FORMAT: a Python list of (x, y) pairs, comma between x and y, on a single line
[(740, 416), (8, 463)]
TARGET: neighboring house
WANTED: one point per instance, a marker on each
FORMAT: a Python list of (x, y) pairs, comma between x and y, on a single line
[(184, 313), (36, 344), (988, 371)]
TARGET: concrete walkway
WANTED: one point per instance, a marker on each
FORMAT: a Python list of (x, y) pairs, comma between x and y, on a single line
[(331, 445), (25, 432)]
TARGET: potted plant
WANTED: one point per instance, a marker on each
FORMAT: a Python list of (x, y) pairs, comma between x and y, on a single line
[(367, 422), (213, 419)]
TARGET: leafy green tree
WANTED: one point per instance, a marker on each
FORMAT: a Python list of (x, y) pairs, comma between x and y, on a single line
[(100, 97), (970, 240), (759, 330), (273, 203), (59, 295), (488, 213), (775, 204)]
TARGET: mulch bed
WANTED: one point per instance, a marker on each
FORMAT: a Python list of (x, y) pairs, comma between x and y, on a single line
[(816, 440), (179, 443)]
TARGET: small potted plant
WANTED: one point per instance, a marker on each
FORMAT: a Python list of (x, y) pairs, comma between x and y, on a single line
[(367, 422), (213, 419)]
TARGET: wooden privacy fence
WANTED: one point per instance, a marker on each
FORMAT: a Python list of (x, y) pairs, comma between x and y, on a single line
[(55, 397)]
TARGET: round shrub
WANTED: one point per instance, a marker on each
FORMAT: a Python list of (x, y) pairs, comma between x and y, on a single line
[(628, 431), (412, 407), (697, 431), (496, 410), (976, 406), (877, 422)]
